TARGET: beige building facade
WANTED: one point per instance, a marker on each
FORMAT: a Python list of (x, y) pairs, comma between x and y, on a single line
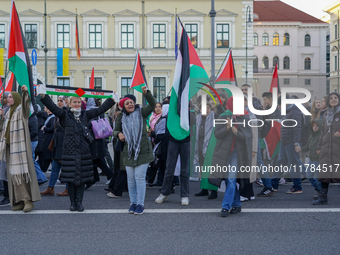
[(112, 31)]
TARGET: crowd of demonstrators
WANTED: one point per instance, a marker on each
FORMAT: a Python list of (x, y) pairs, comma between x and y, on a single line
[(146, 155)]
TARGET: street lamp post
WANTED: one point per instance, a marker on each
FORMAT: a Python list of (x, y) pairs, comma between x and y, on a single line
[(248, 23), (212, 14), (45, 44)]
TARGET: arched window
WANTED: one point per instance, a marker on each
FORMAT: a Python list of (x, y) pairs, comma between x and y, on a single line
[(265, 39), (307, 40), (276, 60), (276, 39), (286, 39), (286, 63), (265, 63), (255, 39), (307, 63), (255, 65)]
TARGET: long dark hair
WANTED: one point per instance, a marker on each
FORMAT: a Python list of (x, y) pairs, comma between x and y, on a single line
[(331, 94)]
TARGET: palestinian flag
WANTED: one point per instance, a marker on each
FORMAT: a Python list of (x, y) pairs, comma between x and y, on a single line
[(138, 76), (188, 79), (18, 58), (77, 40), (271, 143), (92, 79), (71, 91), (227, 74), (275, 81)]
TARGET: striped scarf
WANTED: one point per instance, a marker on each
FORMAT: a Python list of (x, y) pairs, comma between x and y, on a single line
[(18, 168), (132, 125)]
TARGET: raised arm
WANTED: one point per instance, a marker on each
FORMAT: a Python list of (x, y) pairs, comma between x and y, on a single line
[(95, 112), (47, 101), (147, 110)]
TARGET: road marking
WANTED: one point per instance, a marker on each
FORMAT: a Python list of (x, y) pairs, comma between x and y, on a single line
[(157, 211)]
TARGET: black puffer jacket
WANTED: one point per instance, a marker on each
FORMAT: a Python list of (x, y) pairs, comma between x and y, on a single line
[(48, 135), (33, 127), (292, 134), (42, 116), (76, 165), (98, 146), (58, 138)]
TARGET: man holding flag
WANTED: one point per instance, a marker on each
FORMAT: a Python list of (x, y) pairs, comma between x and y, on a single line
[(189, 71)]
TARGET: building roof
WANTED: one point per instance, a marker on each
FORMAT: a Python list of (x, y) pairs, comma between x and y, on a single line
[(279, 11)]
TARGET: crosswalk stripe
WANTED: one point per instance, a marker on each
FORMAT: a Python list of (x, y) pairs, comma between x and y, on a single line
[(160, 211)]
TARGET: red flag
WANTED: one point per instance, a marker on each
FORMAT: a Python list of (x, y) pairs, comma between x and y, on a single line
[(9, 84), (77, 40), (227, 74), (275, 81), (92, 79)]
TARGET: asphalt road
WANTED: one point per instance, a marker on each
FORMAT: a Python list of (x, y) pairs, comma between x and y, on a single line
[(52, 229)]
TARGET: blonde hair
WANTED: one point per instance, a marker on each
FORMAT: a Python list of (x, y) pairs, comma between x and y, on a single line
[(73, 98), (315, 112)]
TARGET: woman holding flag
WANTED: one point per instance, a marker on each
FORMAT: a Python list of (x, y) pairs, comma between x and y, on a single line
[(76, 164), (130, 128), (15, 149)]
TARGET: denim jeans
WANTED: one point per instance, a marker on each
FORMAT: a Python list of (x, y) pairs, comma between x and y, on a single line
[(40, 174), (183, 149), (232, 195), (264, 175), (312, 174), (54, 173), (136, 183), (288, 157)]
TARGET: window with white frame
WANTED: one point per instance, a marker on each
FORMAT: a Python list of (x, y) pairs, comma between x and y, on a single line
[(63, 36), (127, 36), (276, 39), (159, 88), (308, 82), (222, 35), (95, 36), (2, 35), (98, 82), (286, 39), (265, 39), (159, 35), (63, 82), (125, 86), (192, 31), (255, 39), (31, 35), (286, 81)]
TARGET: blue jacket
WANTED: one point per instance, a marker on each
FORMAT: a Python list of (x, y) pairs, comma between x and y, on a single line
[(291, 134)]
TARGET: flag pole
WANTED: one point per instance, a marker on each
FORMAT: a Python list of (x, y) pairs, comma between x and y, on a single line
[(223, 62)]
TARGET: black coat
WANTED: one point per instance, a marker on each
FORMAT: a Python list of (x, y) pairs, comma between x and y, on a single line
[(98, 146), (224, 140), (291, 134), (76, 165), (58, 139), (42, 116), (33, 127), (48, 135)]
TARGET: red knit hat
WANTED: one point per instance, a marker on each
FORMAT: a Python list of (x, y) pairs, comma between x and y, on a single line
[(121, 102)]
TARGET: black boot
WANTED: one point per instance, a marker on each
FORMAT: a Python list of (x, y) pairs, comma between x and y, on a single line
[(72, 194), (79, 194), (202, 193), (213, 194), (317, 196), (323, 197)]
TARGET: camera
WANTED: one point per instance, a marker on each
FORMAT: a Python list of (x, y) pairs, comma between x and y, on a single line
[(42, 45)]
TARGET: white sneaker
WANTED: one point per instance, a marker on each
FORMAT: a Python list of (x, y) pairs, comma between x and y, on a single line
[(108, 182), (160, 199), (194, 179), (242, 199), (282, 181), (185, 201)]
